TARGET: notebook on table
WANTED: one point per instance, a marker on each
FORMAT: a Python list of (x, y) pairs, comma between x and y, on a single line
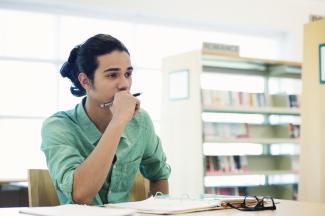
[(172, 205)]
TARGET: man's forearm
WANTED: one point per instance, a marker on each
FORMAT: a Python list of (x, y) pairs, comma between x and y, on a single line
[(97, 165)]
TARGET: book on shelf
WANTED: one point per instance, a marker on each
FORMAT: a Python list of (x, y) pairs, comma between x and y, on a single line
[(294, 130), (290, 131), (294, 100)]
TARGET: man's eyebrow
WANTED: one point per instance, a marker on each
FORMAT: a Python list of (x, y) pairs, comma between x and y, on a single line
[(112, 69), (117, 69)]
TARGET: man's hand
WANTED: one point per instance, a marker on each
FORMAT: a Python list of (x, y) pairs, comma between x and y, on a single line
[(159, 186), (125, 107)]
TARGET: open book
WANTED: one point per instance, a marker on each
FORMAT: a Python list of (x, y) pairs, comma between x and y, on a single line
[(170, 205)]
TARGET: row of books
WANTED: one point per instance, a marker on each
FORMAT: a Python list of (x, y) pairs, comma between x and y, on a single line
[(214, 98), (225, 130), (235, 164), (225, 164), (233, 191), (214, 130), (231, 98)]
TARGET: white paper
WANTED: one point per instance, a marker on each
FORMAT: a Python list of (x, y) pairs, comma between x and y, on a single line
[(80, 210), (169, 205)]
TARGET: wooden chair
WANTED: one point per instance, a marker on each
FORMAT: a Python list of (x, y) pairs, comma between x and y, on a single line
[(41, 191), (140, 188)]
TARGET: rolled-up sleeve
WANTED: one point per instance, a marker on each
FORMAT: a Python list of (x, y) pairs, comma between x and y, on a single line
[(153, 165), (62, 158)]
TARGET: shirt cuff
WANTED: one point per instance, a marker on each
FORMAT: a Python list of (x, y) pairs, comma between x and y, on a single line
[(66, 186)]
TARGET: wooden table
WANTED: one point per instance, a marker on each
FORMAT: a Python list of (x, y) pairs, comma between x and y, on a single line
[(11, 180), (284, 208)]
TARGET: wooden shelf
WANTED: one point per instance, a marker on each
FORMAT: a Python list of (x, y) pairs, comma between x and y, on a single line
[(252, 140), (208, 61), (251, 178), (292, 69), (263, 172), (218, 57), (253, 110)]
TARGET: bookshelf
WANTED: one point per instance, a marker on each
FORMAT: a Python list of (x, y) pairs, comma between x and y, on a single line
[(235, 127)]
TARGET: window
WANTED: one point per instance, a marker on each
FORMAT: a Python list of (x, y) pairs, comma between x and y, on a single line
[(27, 35), (28, 88), (34, 45)]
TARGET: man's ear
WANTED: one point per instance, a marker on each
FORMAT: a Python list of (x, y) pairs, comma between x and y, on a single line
[(84, 81)]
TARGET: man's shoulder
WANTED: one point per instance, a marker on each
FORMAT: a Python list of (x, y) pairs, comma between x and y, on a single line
[(60, 118)]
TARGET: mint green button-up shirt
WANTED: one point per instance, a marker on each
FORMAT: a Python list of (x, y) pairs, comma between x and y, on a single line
[(69, 137)]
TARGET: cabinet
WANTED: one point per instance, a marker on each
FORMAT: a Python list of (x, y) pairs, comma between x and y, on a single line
[(231, 125)]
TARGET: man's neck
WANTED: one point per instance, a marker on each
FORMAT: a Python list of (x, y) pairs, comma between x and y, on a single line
[(101, 117)]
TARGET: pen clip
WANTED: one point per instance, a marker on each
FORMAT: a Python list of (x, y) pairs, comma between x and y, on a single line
[(107, 104)]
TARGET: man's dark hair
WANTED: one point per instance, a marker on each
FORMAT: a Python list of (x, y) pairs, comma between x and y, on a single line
[(83, 58)]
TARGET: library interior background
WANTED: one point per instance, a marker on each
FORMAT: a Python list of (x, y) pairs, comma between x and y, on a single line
[(235, 95)]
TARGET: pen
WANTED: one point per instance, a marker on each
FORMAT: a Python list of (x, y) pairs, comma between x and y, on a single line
[(108, 104)]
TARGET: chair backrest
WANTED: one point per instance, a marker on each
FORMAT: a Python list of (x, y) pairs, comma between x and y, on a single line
[(41, 191), (140, 188)]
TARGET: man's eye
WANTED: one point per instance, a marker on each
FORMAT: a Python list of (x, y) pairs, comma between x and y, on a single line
[(112, 75), (128, 74)]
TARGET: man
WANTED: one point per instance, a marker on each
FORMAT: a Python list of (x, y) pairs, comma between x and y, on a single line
[(94, 151)]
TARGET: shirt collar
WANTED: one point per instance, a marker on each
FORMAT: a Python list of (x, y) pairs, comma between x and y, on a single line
[(87, 126)]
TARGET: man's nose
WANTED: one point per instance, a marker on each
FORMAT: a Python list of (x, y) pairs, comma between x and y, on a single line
[(124, 83)]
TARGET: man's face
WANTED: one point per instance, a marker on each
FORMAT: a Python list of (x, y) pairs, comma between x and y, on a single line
[(113, 74)]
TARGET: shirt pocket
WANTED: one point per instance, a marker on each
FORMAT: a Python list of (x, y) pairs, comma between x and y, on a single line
[(126, 172)]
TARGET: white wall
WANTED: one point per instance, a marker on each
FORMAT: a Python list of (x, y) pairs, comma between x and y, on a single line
[(282, 18)]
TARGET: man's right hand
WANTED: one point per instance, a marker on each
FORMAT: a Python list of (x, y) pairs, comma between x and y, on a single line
[(124, 107)]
